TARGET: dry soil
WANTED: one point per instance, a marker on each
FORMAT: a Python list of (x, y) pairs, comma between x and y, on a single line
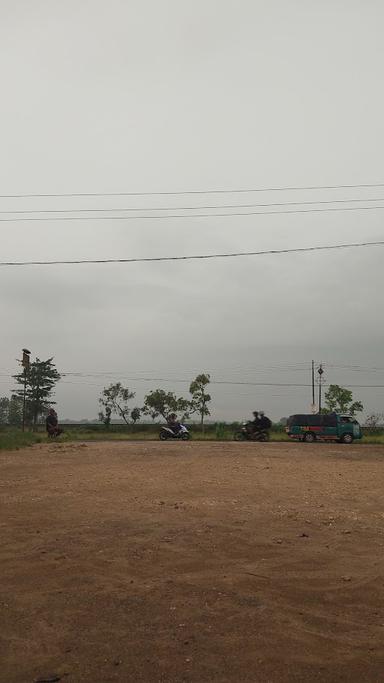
[(192, 562)]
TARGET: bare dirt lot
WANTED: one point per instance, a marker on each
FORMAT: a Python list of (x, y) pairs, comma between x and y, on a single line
[(192, 562)]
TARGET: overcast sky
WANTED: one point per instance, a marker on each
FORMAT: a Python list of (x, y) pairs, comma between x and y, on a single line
[(170, 95)]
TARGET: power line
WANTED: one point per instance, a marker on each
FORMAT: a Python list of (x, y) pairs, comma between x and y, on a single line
[(302, 366), (229, 382), (355, 368), (190, 215), (286, 188), (191, 208), (224, 382), (221, 382), (124, 374), (151, 259), (293, 367), (188, 381)]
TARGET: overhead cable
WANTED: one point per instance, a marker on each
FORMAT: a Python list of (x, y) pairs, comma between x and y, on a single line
[(190, 208), (189, 215), (152, 259), (286, 188)]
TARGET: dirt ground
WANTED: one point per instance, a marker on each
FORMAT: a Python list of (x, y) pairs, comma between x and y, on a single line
[(192, 562)]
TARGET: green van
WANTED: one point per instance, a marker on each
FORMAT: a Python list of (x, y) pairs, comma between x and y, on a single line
[(331, 427)]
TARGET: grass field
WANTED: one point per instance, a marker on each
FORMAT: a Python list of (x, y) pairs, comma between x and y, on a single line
[(14, 438), (11, 439)]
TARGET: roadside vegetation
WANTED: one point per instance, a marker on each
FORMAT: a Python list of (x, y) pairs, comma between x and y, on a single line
[(35, 386), (14, 438)]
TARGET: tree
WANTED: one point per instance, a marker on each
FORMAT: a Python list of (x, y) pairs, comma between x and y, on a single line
[(200, 399), (115, 399), (135, 415), (41, 378), (159, 402), (4, 410), (374, 420), (340, 400), (15, 415), (106, 416)]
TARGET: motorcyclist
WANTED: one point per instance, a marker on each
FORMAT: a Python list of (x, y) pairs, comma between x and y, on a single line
[(255, 424), (52, 423), (173, 424), (264, 421)]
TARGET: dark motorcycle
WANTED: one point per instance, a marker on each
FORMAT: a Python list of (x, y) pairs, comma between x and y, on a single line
[(248, 433), (54, 433), (167, 433)]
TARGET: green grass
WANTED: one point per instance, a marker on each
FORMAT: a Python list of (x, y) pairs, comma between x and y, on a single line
[(373, 438), (12, 439), (279, 436)]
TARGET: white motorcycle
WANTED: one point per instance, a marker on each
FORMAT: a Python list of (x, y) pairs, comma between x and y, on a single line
[(167, 433)]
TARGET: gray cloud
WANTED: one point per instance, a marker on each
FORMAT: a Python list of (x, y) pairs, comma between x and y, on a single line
[(148, 96)]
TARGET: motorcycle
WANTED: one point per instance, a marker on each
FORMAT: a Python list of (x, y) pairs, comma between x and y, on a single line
[(247, 433), (54, 433), (167, 433)]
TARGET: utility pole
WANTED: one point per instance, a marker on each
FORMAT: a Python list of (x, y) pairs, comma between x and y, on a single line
[(313, 385), (26, 364), (320, 373)]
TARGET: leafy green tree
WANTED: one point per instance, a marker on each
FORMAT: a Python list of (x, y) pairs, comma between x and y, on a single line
[(4, 410), (200, 399), (114, 400), (159, 402), (41, 379), (340, 400), (15, 416), (135, 415)]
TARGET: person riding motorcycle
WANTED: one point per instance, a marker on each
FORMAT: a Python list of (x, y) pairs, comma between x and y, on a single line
[(264, 421), (173, 424), (52, 424), (255, 424), (261, 423), (255, 430)]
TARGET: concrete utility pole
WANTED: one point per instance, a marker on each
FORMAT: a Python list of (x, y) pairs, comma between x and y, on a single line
[(313, 406)]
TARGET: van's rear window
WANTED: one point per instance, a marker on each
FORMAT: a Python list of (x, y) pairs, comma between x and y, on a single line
[(297, 421), (312, 421), (329, 420)]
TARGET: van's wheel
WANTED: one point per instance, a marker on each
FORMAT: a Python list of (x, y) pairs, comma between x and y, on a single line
[(347, 438), (309, 438)]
